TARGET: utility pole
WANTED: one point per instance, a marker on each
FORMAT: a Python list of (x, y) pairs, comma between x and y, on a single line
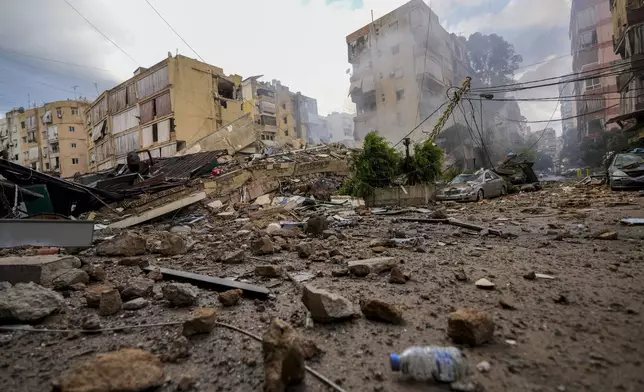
[(96, 87)]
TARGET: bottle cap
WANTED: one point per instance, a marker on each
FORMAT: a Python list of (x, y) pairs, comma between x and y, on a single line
[(394, 360)]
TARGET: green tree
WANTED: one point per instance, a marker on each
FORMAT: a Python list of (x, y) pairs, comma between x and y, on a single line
[(492, 59), (426, 163), (377, 165)]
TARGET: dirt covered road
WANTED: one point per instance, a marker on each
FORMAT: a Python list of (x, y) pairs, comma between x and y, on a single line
[(578, 328)]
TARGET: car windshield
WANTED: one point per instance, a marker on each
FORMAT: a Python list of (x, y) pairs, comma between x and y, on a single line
[(622, 160), (461, 178)]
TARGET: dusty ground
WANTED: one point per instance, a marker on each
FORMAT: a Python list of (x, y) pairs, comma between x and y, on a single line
[(594, 342)]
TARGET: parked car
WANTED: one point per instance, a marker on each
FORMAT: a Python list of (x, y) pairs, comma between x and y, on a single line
[(473, 187), (626, 170)]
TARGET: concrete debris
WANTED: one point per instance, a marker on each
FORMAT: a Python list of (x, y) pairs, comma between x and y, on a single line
[(169, 244), (180, 294), (263, 246), (155, 275), (483, 366), (180, 229), (470, 326), (273, 228), (91, 322), (132, 261), (326, 307), (137, 287), (129, 370), (125, 244), (93, 294), (269, 271), (110, 302), (397, 276), (178, 349), (283, 352), (377, 310), (136, 304), (234, 257), (202, 320), (42, 269), (69, 278), (376, 265), (383, 242), (316, 225), (230, 297), (507, 303), (465, 386), (484, 284), (305, 249), (28, 303), (608, 235), (95, 272)]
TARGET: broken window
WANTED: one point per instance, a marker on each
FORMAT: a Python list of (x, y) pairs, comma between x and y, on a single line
[(59, 112), (588, 39), (284, 106), (593, 83), (286, 132), (73, 145), (22, 124), (285, 120), (400, 94), (155, 133), (46, 165)]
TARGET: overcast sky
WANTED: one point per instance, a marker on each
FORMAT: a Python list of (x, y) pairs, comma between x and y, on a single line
[(300, 42)]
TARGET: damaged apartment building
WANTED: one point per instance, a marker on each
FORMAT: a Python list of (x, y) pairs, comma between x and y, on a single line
[(403, 63), (162, 110), (50, 138)]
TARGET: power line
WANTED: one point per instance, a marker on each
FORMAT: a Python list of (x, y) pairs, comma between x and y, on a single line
[(560, 119), (480, 133), (100, 32), (51, 60), (422, 122), (173, 30)]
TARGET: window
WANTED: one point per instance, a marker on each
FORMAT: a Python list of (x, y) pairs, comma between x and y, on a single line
[(74, 111), (286, 132), (593, 83), (395, 49), (73, 145), (382, 97), (155, 133), (46, 165), (72, 129), (586, 18), (488, 176), (285, 120), (22, 124), (588, 39), (74, 161), (24, 139), (400, 94), (284, 106), (594, 126), (59, 112)]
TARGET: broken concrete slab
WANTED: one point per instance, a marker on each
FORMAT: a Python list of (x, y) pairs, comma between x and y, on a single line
[(38, 269), (180, 294), (375, 265), (327, 307), (377, 310), (212, 283), (470, 326), (158, 211), (202, 320), (27, 303), (69, 278), (126, 244), (169, 244), (283, 352)]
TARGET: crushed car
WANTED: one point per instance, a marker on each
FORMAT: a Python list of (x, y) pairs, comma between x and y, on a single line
[(626, 170), (484, 184)]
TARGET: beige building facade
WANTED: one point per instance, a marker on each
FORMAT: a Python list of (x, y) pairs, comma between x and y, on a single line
[(161, 110), (51, 138)]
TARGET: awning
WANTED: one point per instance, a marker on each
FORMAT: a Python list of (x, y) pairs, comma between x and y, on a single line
[(627, 116)]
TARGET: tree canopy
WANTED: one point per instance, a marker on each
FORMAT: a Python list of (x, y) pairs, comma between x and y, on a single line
[(492, 59)]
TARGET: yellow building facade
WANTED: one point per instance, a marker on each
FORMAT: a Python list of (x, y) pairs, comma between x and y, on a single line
[(161, 110)]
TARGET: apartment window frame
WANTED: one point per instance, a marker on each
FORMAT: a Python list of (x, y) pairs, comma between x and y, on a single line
[(400, 95), (600, 121), (75, 111), (585, 19), (591, 39), (75, 161), (155, 133), (285, 118), (72, 128), (592, 84), (73, 145)]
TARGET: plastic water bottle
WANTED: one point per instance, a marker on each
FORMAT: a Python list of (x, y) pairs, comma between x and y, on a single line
[(443, 364)]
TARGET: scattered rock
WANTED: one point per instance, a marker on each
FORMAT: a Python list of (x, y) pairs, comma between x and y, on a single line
[(180, 229), (283, 357), (180, 294), (78, 286), (460, 275), (316, 225), (124, 370), (270, 271), (132, 261), (305, 249), (137, 287), (273, 228), (135, 304), (202, 320), (397, 276), (186, 382), (530, 276), (155, 275), (609, 235), (328, 233), (95, 272), (484, 284), (179, 348), (376, 265), (263, 246), (70, 277), (438, 214), (465, 386), (230, 297), (327, 307), (340, 272), (382, 243), (483, 366), (374, 309), (93, 294), (91, 322), (561, 300), (378, 249), (169, 244), (110, 302), (507, 303), (234, 257), (28, 303), (310, 350), (470, 326), (126, 244)]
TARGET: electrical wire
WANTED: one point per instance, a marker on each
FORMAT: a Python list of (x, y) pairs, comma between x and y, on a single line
[(422, 122), (51, 60), (175, 31), (480, 134), (100, 32)]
